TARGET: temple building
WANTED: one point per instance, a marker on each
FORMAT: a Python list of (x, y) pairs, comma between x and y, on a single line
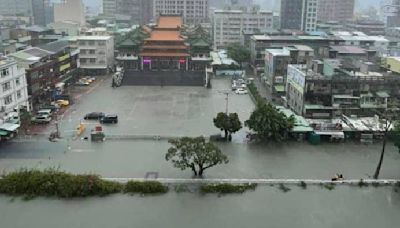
[(167, 46), (165, 49)]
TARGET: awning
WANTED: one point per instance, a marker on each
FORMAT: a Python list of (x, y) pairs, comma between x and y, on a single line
[(280, 88), (9, 127), (3, 133)]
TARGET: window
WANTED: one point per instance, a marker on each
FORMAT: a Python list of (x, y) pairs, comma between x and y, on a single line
[(6, 86), (19, 95), (8, 100), (17, 82), (4, 72)]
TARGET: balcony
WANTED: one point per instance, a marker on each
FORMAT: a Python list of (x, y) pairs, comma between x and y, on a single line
[(127, 57)]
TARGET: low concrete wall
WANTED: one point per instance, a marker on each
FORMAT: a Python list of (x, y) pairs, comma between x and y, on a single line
[(260, 181)]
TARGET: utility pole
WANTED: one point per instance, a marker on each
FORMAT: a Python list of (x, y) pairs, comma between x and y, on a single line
[(227, 102)]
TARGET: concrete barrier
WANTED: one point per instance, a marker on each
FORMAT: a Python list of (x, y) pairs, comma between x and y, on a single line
[(260, 181)]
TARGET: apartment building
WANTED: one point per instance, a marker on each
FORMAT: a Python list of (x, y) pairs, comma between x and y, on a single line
[(138, 11), (45, 67), (38, 11), (335, 10), (276, 64), (193, 11), (96, 54), (299, 15), (330, 89), (230, 25), (70, 10), (13, 89)]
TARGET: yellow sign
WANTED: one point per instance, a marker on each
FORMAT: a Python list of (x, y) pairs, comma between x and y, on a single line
[(62, 58), (65, 66)]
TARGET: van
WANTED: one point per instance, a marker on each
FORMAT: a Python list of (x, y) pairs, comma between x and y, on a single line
[(109, 119)]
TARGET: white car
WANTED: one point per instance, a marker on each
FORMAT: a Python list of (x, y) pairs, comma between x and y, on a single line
[(241, 91), (41, 119)]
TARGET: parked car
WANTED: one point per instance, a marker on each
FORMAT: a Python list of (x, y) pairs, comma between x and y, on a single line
[(62, 103), (41, 119), (53, 107), (94, 116), (109, 119), (89, 79), (43, 112), (82, 82), (241, 91)]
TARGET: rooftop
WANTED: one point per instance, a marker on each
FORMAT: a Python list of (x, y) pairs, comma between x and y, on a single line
[(348, 49), (278, 52), (162, 35), (94, 37), (169, 22)]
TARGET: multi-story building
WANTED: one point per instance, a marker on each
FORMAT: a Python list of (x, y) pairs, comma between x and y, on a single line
[(369, 27), (96, 54), (193, 11), (13, 89), (259, 43), (335, 10), (36, 10), (70, 10), (16, 7), (229, 25), (299, 15), (329, 89), (46, 66), (393, 19), (276, 62), (139, 11)]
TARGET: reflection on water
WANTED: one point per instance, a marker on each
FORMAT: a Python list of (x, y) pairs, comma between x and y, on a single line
[(266, 207)]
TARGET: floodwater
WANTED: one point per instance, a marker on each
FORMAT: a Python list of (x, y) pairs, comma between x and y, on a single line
[(314, 207), (179, 111)]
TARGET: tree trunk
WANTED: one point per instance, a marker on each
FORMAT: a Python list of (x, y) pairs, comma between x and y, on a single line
[(201, 170), (226, 134), (230, 137), (378, 168), (194, 170)]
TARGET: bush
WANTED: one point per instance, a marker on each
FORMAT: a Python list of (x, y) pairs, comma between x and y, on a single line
[(54, 183), (330, 186), (227, 188), (361, 183), (283, 188), (303, 185), (254, 92), (146, 187)]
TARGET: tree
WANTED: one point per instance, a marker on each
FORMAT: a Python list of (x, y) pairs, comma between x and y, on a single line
[(25, 118), (390, 116), (195, 154), (239, 53), (228, 123), (269, 123)]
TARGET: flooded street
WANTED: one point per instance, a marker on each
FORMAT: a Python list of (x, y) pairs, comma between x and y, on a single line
[(313, 207), (189, 111)]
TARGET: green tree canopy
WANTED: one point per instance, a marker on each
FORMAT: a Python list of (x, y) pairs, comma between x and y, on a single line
[(269, 123), (239, 53), (228, 123), (25, 118), (195, 153)]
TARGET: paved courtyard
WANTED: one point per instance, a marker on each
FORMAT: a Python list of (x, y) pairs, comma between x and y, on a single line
[(184, 111)]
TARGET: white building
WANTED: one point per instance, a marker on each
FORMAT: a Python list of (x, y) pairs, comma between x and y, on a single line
[(309, 18), (70, 10), (96, 54), (13, 89), (295, 83), (229, 25), (193, 11)]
